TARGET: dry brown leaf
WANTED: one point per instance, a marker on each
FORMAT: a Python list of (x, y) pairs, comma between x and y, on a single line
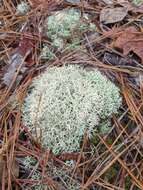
[(130, 40), (113, 15), (17, 60)]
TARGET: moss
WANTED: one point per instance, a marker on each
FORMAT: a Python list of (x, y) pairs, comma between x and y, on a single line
[(66, 101), (94, 140), (112, 172), (110, 141), (128, 183)]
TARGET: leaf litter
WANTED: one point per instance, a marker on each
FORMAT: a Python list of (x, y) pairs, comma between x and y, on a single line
[(117, 52), (17, 61), (130, 40), (113, 15)]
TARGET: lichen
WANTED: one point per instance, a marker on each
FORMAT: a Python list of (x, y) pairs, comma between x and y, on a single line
[(138, 2), (67, 25), (66, 101), (46, 53), (22, 8), (28, 162), (62, 173)]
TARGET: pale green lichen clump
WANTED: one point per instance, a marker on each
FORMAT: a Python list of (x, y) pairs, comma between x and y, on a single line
[(138, 2), (47, 54), (22, 8), (62, 173), (66, 25), (66, 101)]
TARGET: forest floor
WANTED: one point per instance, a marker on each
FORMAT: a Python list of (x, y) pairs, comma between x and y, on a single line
[(116, 48)]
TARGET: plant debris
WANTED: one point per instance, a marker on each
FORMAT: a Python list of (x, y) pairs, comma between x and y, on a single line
[(111, 160), (113, 15), (129, 40)]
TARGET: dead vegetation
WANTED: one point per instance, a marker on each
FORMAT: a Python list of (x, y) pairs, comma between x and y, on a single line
[(115, 162)]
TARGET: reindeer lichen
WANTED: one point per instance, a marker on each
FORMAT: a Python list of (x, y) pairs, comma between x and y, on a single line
[(66, 101), (66, 25), (22, 8)]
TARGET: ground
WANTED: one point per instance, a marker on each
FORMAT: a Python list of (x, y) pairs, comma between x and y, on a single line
[(108, 37)]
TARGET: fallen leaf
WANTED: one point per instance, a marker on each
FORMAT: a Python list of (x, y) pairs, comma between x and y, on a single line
[(130, 40), (16, 61), (114, 59), (14, 64), (113, 15)]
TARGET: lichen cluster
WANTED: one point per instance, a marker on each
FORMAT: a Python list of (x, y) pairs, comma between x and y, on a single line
[(62, 173), (22, 8), (63, 27), (46, 53), (138, 2), (66, 101)]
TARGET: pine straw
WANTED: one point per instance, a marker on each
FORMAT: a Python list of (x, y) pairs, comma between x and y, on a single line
[(121, 150)]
